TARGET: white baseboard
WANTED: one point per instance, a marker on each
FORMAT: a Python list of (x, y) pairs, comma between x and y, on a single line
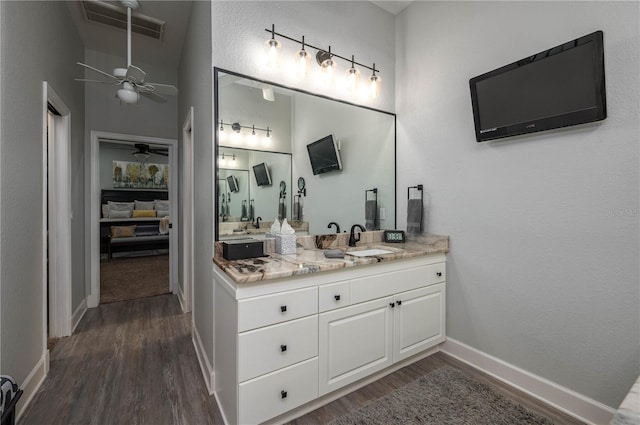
[(181, 299), (205, 366), (78, 315), (32, 383), (564, 399)]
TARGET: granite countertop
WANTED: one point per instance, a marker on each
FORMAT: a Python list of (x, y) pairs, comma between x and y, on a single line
[(309, 256)]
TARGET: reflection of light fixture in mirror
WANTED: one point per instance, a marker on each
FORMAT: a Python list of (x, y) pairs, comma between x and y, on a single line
[(327, 63), (302, 59), (267, 138), (221, 133), (374, 80), (221, 160), (272, 45), (236, 136), (352, 76), (252, 138)]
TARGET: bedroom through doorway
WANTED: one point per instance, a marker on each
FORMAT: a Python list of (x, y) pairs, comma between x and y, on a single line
[(136, 210)]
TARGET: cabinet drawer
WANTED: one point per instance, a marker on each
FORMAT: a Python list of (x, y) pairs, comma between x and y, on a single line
[(385, 284), (267, 349), (273, 394), (334, 296), (437, 273), (276, 308)]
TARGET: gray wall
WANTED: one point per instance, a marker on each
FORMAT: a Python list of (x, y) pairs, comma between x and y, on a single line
[(196, 90), (543, 270), (47, 51)]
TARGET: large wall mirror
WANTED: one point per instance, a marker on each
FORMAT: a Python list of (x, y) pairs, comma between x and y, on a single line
[(261, 125)]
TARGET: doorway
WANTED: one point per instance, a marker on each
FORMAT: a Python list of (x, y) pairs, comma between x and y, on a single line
[(133, 236)]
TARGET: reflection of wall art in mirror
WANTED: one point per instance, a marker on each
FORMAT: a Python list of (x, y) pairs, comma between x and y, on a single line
[(263, 177), (139, 175)]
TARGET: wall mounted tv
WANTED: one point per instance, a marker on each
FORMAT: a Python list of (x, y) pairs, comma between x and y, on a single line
[(232, 181), (261, 171), (324, 155), (559, 87)]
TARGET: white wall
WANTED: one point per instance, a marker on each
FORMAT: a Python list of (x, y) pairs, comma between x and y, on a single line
[(196, 90), (39, 43), (543, 268)]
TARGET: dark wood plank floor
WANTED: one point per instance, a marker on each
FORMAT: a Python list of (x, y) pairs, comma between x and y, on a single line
[(130, 362), (133, 362)]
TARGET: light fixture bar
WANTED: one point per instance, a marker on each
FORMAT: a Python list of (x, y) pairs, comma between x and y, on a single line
[(305, 44), (251, 127)]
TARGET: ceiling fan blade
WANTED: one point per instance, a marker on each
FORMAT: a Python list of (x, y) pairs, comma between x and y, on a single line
[(111, 83), (153, 96), (165, 89), (135, 74), (159, 152), (99, 71)]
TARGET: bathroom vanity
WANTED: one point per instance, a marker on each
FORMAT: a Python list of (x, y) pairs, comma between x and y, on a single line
[(293, 332)]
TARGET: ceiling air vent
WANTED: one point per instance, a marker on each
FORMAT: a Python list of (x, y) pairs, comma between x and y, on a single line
[(114, 16)]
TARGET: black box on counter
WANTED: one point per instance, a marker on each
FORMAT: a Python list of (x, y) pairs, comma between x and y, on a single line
[(240, 249)]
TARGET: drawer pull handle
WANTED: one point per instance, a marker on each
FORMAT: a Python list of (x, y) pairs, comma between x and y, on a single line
[(392, 304), (283, 308), (337, 297), (439, 274), (283, 394), (399, 302), (283, 348)]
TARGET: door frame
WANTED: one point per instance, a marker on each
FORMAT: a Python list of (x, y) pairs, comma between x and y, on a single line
[(186, 298), (94, 212), (57, 214)]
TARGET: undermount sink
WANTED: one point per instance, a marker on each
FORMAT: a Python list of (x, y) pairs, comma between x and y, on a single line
[(369, 252)]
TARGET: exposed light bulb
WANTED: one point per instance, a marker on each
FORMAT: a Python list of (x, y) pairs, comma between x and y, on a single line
[(252, 138), (222, 161), (222, 135), (302, 61), (267, 138), (374, 81), (352, 76), (272, 45)]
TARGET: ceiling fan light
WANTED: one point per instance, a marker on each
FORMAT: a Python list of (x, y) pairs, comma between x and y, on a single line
[(128, 95), (141, 155)]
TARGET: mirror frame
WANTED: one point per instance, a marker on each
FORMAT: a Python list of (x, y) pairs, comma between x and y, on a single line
[(216, 119)]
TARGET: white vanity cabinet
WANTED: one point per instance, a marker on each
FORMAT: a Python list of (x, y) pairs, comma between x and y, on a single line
[(282, 343)]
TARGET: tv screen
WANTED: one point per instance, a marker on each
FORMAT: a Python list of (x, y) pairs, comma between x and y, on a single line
[(324, 155), (559, 87), (261, 171), (232, 181)]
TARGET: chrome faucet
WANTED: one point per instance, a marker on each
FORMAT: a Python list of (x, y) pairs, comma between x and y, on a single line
[(333, 223), (352, 237), (257, 223)]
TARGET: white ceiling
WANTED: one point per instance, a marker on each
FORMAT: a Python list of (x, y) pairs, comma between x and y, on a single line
[(113, 41), (167, 51)]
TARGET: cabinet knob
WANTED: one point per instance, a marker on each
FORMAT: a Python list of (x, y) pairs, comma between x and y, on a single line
[(439, 274), (337, 297), (283, 348), (392, 304), (283, 394), (399, 302), (283, 308)]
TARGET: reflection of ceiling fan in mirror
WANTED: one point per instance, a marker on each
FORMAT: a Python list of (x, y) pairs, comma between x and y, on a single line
[(143, 151), (132, 79)]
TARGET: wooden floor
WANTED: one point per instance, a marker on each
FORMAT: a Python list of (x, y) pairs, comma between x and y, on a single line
[(133, 362)]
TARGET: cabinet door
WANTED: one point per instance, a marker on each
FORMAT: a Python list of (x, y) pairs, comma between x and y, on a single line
[(354, 342), (419, 320)]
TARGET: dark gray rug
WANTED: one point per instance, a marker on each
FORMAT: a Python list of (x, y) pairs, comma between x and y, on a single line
[(444, 396)]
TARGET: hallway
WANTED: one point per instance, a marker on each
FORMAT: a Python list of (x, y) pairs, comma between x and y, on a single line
[(128, 362)]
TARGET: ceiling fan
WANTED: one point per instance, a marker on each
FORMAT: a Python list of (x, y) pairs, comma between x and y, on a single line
[(142, 151), (132, 78)]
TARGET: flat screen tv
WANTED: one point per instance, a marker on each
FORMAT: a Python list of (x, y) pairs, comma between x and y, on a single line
[(261, 171), (324, 155), (559, 87), (232, 181)]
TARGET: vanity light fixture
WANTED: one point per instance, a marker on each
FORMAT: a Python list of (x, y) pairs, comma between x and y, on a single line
[(325, 58), (272, 45), (223, 161), (251, 139)]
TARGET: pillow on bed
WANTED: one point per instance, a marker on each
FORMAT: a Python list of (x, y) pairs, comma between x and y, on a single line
[(119, 214), (162, 213), (105, 210), (123, 231), (120, 206), (144, 213), (161, 205), (143, 205)]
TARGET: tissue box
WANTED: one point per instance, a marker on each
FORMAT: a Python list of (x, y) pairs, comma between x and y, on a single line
[(286, 244)]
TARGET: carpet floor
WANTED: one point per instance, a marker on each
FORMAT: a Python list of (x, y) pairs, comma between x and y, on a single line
[(129, 278), (444, 396)]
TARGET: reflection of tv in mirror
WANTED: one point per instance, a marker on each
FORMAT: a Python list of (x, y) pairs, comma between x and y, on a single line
[(324, 155), (261, 171), (232, 181)]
